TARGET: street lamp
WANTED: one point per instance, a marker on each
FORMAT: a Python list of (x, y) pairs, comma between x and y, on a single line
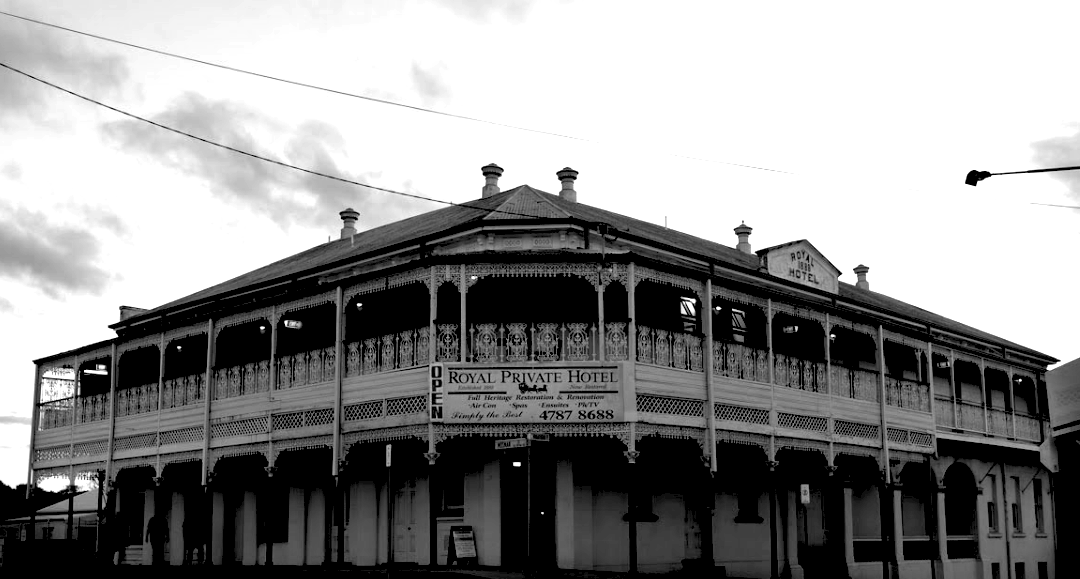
[(973, 177)]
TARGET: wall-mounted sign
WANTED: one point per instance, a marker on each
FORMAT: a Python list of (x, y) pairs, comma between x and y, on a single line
[(472, 394), (435, 392), (801, 263), (804, 494)]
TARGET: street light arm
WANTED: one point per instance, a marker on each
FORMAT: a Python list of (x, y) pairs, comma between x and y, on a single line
[(973, 177)]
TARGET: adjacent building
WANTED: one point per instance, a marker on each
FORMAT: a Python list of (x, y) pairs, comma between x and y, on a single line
[(561, 386)]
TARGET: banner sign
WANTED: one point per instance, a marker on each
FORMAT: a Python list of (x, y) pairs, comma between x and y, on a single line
[(478, 394)]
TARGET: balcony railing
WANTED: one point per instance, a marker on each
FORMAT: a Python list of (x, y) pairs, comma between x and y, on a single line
[(182, 391), (1028, 428), (304, 368), (1000, 422), (944, 412), (137, 400), (93, 408), (241, 380), (740, 361), (795, 372), (908, 394), (406, 349), (54, 414), (616, 343), (972, 417), (855, 383), (680, 350), (540, 342)]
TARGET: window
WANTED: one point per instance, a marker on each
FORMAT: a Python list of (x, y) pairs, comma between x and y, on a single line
[(688, 313), (995, 570), (738, 326), (1019, 571), (453, 496), (748, 506), (1017, 513), (47, 533), (1044, 571), (1040, 523), (992, 506)]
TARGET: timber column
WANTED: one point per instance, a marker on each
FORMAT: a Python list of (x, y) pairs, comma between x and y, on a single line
[(942, 567)]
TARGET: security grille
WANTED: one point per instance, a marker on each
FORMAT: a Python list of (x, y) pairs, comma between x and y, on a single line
[(93, 448), (670, 405), (802, 422), (406, 405), (364, 410), (135, 441), (182, 435), (742, 414), (239, 427), (856, 429)]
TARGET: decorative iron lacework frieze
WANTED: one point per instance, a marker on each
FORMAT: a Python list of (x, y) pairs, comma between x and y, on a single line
[(179, 457), (477, 271), (817, 446), (184, 332), (739, 297), (798, 312), (57, 472), (745, 414), (841, 322), (617, 430), (873, 452), (906, 456), (913, 343), (298, 444), (103, 352), (303, 303), (670, 405), (642, 273), (415, 431), (260, 448), (87, 472), (150, 460), (802, 422), (143, 342), (91, 448), (264, 313), (419, 275), (614, 272), (642, 429), (745, 438)]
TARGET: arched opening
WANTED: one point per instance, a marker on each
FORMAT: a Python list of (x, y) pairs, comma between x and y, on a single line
[(863, 475), (126, 525), (447, 323), (999, 405), (969, 395), (616, 322), (387, 330), (905, 382), (239, 480), (668, 326), (557, 320), (918, 510), (1028, 404), (960, 511), (185, 371), (305, 347), (58, 389), (242, 359), (740, 341), (137, 381), (93, 389), (854, 364), (821, 517), (945, 409), (798, 352)]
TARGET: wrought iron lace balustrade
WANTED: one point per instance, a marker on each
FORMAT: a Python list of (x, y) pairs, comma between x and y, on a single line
[(855, 383), (795, 372), (616, 341), (680, 350), (1028, 427), (945, 411), (740, 361), (182, 391), (92, 408), (306, 368), (242, 379), (395, 351), (54, 414), (1000, 422), (137, 400), (909, 394), (972, 417), (538, 342)]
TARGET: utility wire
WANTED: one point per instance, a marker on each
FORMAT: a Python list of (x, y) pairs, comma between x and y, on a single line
[(354, 95), (260, 157)]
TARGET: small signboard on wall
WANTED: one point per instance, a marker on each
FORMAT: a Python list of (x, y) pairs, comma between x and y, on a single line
[(462, 546)]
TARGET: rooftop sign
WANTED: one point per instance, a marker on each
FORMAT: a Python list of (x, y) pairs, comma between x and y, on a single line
[(801, 263)]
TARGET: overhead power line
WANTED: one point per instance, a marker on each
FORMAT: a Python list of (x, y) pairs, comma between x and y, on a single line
[(354, 95), (259, 157)]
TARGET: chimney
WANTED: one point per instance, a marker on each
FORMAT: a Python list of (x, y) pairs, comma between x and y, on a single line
[(492, 173), (349, 217), (743, 231), (860, 271), (568, 176)]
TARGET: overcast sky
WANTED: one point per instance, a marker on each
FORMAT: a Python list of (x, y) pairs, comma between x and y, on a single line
[(874, 116)]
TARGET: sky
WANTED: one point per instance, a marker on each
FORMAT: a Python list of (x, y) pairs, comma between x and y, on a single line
[(848, 124)]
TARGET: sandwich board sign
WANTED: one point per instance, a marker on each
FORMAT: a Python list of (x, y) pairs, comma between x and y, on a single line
[(462, 549)]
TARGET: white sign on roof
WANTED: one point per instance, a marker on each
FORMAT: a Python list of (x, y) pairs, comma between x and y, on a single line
[(803, 264)]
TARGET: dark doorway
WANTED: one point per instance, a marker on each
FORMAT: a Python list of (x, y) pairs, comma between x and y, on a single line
[(520, 547)]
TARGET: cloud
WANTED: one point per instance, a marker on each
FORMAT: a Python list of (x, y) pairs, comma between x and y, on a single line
[(481, 10), (9, 419), (285, 195), (55, 57), (49, 256), (12, 170), (6, 307), (1060, 152), (429, 84)]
